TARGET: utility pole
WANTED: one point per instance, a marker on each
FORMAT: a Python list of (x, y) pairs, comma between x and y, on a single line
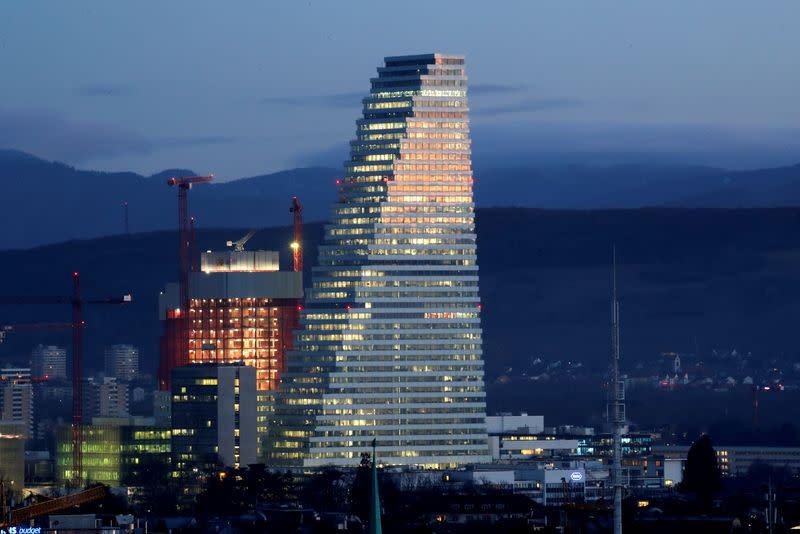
[(617, 401)]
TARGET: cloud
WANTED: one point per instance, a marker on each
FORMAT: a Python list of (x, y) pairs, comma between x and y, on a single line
[(527, 106), (53, 136), (481, 89), (334, 100), (198, 141), (354, 98), (102, 89)]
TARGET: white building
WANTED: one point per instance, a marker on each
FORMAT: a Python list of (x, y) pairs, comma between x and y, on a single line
[(106, 398), (546, 486), (390, 341), (16, 398), (734, 461), (49, 361), (522, 437), (507, 423), (122, 362)]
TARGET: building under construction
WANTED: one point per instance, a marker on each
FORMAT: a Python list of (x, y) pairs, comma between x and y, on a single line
[(242, 309)]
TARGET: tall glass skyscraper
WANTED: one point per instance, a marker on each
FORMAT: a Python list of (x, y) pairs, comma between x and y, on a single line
[(389, 345)]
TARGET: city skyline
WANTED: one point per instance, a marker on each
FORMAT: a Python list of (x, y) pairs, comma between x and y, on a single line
[(549, 284)]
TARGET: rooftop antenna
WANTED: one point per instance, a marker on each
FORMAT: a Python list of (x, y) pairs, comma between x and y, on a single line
[(617, 401)]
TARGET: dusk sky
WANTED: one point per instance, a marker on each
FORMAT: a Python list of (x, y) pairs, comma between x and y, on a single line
[(253, 87)]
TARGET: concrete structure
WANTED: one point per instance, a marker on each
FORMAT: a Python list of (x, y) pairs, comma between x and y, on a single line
[(735, 461), (213, 416), (507, 423), (16, 398), (12, 456), (49, 361), (673, 471), (519, 437), (390, 341), (122, 362), (242, 310), (106, 398), (522, 447), (544, 485)]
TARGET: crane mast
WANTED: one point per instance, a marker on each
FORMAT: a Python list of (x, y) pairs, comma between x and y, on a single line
[(77, 302), (297, 243), (186, 262)]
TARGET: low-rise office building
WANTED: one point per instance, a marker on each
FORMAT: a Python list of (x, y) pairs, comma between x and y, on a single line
[(213, 416), (115, 450), (735, 461)]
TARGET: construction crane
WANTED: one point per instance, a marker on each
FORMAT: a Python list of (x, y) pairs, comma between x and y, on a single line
[(187, 252), (184, 183), (239, 244), (20, 516), (77, 302), (40, 327), (297, 243)]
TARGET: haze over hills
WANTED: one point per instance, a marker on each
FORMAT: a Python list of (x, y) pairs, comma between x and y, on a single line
[(45, 202)]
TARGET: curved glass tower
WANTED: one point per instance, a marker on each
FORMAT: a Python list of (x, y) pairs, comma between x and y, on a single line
[(389, 345)]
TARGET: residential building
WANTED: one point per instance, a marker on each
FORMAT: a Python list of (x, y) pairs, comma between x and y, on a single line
[(16, 397), (49, 361), (389, 346), (122, 362), (105, 398), (213, 417)]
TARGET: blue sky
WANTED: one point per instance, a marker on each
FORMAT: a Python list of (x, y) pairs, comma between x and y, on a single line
[(242, 88)]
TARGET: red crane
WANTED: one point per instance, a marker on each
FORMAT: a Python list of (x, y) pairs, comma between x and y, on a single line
[(297, 244), (185, 246), (77, 302), (38, 327), (175, 342)]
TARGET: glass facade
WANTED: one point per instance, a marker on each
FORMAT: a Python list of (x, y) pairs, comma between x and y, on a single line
[(389, 345), (112, 454)]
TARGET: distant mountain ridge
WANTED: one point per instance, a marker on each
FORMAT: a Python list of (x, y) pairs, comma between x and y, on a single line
[(688, 278), (46, 202)]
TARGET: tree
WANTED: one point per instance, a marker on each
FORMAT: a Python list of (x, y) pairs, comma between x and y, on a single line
[(702, 476), (158, 494)]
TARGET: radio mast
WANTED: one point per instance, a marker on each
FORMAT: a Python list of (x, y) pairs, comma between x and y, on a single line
[(617, 402)]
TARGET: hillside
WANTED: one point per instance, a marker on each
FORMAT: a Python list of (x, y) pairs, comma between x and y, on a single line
[(45, 202), (689, 279)]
